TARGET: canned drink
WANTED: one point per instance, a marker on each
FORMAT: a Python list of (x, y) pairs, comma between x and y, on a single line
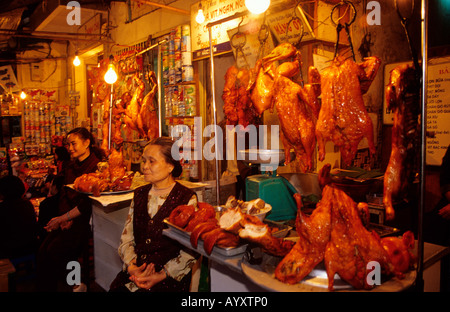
[(186, 44), (186, 58), (185, 30), (188, 73)]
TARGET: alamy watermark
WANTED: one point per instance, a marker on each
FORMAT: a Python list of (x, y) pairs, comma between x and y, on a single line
[(220, 146)]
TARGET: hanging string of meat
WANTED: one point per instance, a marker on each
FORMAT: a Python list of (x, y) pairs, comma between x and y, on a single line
[(402, 96), (343, 118)]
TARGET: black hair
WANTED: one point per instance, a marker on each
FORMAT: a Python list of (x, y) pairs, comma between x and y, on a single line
[(166, 150), (62, 153), (11, 187), (85, 134), (58, 181)]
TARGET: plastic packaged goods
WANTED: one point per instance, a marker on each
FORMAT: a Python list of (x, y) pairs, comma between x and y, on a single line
[(189, 100), (175, 101), (188, 73)]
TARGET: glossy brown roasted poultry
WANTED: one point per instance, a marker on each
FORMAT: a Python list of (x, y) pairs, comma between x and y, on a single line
[(314, 235), (238, 108), (343, 118), (351, 246), (147, 119), (261, 85), (110, 176), (134, 107), (297, 119), (402, 96)]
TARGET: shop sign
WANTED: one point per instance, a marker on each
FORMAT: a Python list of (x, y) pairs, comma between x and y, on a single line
[(438, 110), (286, 26), (214, 10)]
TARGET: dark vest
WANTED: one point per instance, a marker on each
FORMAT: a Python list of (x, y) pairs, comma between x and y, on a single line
[(151, 245)]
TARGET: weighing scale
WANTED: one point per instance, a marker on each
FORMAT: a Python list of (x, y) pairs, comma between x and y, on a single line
[(273, 189)]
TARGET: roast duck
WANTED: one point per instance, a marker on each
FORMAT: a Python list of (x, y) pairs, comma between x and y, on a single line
[(343, 118), (335, 234), (110, 176), (133, 110), (227, 230), (402, 97), (339, 115)]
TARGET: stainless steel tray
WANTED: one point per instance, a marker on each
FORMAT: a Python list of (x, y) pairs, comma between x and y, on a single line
[(224, 251)]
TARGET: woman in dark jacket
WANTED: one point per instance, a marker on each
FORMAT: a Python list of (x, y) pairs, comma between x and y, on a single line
[(18, 224), (69, 232), (152, 261)]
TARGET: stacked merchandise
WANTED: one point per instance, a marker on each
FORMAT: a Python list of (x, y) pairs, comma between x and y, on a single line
[(179, 97), (43, 119)]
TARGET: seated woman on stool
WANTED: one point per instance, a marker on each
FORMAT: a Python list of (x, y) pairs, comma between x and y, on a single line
[(152, 261)]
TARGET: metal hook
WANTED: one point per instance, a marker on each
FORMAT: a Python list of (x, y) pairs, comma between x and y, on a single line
[(346, 25), (242, 44), (295, 17), (404, 22)]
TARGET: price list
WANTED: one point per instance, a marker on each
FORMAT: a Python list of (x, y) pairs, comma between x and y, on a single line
[(438, 112)]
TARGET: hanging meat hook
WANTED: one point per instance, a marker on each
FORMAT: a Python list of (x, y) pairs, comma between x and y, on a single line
[(346, 25), (294, 18), (239, 45), (404, 21)]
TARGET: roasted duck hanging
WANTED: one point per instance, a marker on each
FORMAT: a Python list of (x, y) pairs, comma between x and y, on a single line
[(343, 118), (237, 107), (402, 96)]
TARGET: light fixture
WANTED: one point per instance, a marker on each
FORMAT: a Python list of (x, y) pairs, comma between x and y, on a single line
[(200, 18), (23, 95), (110, 75), (76, 60), (257, 6)]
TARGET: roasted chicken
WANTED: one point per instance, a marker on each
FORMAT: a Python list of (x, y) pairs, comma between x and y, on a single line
[(134, 107), (402, 96), (335, 234), (238, 108), (343, 118), (351, 246), (399, 252), (314, 235), (297, 120), (110, 176)]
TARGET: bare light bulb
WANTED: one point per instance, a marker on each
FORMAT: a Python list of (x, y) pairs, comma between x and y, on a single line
[(200, 18), (23, 95), (76, 61), (110, 75), (257, 6)]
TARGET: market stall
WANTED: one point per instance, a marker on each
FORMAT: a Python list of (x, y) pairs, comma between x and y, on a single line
[(311, 132)]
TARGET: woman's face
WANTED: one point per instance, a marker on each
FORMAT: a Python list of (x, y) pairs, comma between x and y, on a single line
[(154, 166), (78, 148)]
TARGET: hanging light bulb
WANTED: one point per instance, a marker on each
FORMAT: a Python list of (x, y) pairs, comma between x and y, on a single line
[(257, 6), (23, 95), (110, 75), (76, 60), (200, 18)]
